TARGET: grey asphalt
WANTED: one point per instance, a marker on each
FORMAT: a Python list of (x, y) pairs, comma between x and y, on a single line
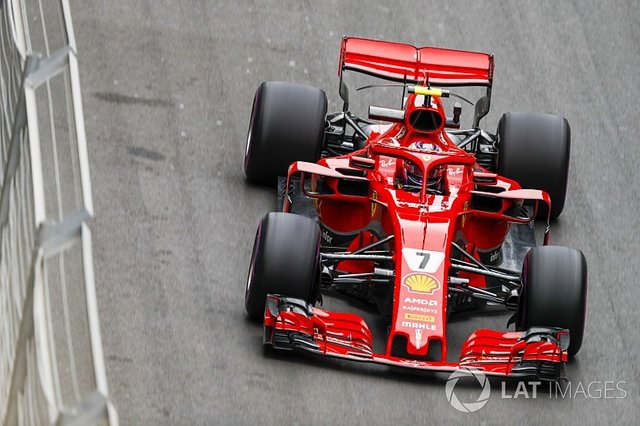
[(167, 93)]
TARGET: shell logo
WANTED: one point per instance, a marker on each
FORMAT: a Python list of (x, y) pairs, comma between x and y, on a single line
[(420, 283)]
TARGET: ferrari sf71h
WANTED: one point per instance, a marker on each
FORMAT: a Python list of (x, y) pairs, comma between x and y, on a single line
[(410, 213)]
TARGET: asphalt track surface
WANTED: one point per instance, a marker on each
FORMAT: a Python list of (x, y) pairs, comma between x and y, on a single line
[(167, 91)]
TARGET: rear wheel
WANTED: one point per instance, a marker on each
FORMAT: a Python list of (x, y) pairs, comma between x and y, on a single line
[(285, 261), (554, 291), (287, 124), (534, 151)]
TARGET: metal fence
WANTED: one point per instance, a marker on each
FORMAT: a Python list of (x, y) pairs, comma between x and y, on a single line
[(51, 361)]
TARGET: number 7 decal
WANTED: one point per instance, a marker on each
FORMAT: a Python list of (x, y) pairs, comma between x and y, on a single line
[(423, 260)]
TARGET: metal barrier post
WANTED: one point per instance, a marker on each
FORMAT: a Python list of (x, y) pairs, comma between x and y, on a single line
[(52, 367)]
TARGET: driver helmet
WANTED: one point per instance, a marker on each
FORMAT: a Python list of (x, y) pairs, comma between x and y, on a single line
[(413, 176)]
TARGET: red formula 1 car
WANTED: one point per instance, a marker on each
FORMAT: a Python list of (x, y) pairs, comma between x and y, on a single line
[(413, 216)]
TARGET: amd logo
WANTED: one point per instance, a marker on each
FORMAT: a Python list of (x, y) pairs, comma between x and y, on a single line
[(418, 301)]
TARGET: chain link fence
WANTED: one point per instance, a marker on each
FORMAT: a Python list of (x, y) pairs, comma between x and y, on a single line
[(51, 361)]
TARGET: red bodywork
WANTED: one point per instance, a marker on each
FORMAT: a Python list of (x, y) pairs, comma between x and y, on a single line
[(421, 223), (403, 62)]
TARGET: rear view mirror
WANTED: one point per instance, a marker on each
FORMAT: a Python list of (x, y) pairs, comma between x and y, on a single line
[(358, 162), (319, 186), (486, 178)]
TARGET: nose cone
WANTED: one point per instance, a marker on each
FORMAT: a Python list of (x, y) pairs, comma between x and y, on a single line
[(421, 291)]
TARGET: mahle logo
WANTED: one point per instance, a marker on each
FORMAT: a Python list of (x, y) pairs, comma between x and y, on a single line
[(471, 406)]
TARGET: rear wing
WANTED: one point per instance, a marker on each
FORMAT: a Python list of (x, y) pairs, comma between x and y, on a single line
[(406, 63)]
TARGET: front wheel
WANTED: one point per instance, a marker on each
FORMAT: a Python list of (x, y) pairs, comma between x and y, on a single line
[(285, 261), (554, 292)]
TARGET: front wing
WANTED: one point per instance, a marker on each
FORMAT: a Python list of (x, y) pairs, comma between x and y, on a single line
[(292, 324)]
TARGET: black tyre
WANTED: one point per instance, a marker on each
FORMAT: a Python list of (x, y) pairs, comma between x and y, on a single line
[(534, 151), (285, 261), (554, 291), (287, 124)]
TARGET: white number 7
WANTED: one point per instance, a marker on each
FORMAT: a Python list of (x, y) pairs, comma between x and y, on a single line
[(423, 260)]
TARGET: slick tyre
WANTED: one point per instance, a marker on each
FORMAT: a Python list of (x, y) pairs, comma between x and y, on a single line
[(534, 151), (554, 292), (287, 124), (285, 261)]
